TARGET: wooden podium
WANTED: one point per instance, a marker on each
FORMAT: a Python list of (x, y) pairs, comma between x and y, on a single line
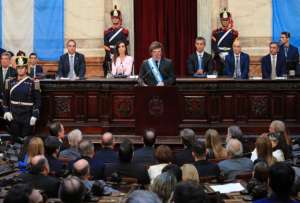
[(157, 108)]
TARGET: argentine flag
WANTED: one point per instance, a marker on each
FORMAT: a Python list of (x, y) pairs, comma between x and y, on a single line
[(33, 26)]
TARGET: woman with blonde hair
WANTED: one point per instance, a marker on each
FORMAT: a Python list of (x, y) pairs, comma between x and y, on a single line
[(35, 147), (263, 151), (189, 173), (213, 142)]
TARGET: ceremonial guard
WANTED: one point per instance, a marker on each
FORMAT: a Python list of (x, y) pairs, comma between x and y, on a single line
[(222, 40), (112, 35), (22, 101)]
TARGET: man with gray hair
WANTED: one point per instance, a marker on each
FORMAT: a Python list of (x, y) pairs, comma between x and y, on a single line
[(234, 132), (87, 152), (142, 196), (72, 153), (188, 139), (236, 164)]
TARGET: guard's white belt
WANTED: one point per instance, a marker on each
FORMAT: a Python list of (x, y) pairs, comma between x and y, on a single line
[(22, 103)]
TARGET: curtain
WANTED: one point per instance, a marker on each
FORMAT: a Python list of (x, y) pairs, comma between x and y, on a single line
[(171, 22)]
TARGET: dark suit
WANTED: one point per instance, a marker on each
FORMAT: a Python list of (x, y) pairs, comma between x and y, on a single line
[(266, 67), (97, 168), (292, 54), (132, 170), (64, 65), (48, 184), (57, 167), (11, 73), (38, 72), (165, 69), (184, 157), (107, 155), (230, 64), (206, 168), (193, 63), (144, 155)]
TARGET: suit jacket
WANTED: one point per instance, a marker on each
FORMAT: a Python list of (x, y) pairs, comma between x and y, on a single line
[(165, 69), (292, 54), (235, 166), (206, 168), (130, 169), (57, 167), (144, 155), (97, 168), (38, 71), (64, 65), (48, 184), (266, 67), (184, 157), (107, 155), (230, 64), (193, 63), (11, 73)]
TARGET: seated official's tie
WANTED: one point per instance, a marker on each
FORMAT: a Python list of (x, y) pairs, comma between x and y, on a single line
[(286, 49), (273, 64), (237, 70), (157, 65), (200, 62), (72, 71)]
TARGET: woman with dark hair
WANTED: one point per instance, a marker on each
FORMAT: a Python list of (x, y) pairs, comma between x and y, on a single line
[(279, 146), (121, 63)]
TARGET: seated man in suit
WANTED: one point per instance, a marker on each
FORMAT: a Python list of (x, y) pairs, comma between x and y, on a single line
[(39, 178), (72, 64), (236, 164), (125, 167), (107, 153), (273, 65), (157, 70), (237, 62), (36, 71), (200, 62), (146, 154), (188, 139), (204, 167)]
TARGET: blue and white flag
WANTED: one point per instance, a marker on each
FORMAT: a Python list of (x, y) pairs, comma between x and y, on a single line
[(286, 17), (33, 26)]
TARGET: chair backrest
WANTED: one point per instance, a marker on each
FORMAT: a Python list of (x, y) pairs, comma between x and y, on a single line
[(245, 176), (208, 179)]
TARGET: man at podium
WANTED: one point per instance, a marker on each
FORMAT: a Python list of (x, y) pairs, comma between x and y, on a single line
[(157, 70)]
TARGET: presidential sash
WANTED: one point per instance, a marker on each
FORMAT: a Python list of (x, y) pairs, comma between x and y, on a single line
[(155, 71)]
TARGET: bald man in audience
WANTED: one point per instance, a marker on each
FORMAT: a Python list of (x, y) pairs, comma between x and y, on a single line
[(236, 164), (237, 62), (72, 190), (146, 153), (39, 178), (107, 153), (81, 169)]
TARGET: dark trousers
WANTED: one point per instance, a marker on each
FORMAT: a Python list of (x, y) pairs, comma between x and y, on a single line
[(20, 130)]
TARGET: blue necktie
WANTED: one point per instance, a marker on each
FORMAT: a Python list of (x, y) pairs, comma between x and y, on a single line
[(200, 62)]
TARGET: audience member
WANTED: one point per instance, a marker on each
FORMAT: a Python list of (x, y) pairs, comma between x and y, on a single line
[(57, 167), (234, 132), (57, 129), (204, 167), (174, 170), (142, 196), (35, 147), (107, 153), (72, 153), (72, 190), (188, 138), (189, 192), (278, 146), (146, 153), (214, 147), (263, 151), (281, 180), (39, 178), (163, 185), (125, 167), (23, 193), (257, 187), (87, 152), (236, 164), (164, 156), (189, 173)]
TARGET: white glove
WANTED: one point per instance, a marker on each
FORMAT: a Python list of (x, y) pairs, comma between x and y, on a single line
[(160, 84), (8, 116), (33, 120)]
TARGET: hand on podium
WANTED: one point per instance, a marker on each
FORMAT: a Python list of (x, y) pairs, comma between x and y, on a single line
[(160, 84)]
